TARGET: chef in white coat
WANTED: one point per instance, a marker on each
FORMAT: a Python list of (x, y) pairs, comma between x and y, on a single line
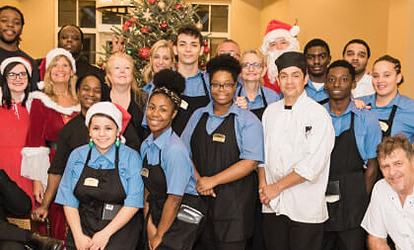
[(299, 138)]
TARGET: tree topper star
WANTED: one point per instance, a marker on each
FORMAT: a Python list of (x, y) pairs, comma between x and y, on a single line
[(147, 15)]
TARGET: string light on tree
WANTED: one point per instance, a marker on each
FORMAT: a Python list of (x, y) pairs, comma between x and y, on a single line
[(149, 21)]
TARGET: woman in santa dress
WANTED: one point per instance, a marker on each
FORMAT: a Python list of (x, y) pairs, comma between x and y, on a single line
[(49, 111), (14, 118)]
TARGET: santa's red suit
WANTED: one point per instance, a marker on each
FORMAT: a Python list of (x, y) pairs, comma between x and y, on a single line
[(46, 119)]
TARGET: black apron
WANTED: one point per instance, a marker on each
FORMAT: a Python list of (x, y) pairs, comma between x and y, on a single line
[(91, 205), (388, 123), (229, 216), (347, 169), (180, 235), (193, 103), (258, 112)]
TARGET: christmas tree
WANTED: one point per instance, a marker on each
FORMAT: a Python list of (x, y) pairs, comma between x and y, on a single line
[(153, 20)]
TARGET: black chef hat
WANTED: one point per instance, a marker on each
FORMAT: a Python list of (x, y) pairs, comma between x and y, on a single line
[(289, 59)]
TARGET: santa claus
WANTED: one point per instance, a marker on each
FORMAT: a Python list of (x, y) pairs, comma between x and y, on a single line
[(279, 38)]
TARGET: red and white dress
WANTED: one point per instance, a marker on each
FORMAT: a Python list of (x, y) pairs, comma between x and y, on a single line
[(14, 123), (46, 119)]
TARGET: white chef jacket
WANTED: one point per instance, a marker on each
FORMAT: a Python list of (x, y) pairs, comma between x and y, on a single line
[(386, 216), (363, 87), (300, 139)]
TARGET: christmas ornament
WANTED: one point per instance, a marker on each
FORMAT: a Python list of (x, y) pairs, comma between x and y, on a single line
[(202, 64), (179, 6), (125, 27), (133, 19), (129, 52), (152, 2), (205, 43), (206, 50), (143, 53), (161, 5), (199, 26), (128, 23), (164, 26), (147, 15), (144, 30)]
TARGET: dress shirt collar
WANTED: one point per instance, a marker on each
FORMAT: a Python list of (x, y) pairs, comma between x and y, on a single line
[(109, 155)]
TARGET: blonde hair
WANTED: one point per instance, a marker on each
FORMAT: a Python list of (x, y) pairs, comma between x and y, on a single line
[(148, 70), (257, 53), (139, 95), (50, 86)]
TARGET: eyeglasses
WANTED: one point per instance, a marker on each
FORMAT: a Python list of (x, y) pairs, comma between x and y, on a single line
[(255, 65), (13, 76), (224, 86)]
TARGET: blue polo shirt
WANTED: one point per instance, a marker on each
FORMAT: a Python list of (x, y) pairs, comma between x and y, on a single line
[(270, 96), (175, 161), (317, 95), (129, 166), (248, 130), (404, 117), (193, 88), (366, 128)]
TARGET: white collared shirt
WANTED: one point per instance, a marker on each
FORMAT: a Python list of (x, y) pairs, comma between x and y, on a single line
[(387, 216), (300, 139), (363, 87)]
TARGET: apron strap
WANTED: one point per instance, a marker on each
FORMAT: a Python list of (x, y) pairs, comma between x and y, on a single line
[(263, 97), (205, 87)]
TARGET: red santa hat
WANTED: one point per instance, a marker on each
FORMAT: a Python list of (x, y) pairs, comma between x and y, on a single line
[(26, 63), (276, 29)]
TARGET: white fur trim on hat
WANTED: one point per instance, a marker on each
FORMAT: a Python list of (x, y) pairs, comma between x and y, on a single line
[(57, 52), (106, 108), (41, 85), (18, 59)]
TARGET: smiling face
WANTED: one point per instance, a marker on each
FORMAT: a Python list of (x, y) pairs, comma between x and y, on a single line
[(279, 43), (160, 114), (398, 170), (252, 67), (161, 60), (356, 54), (60, 70), (89, 93), (188, 49), (339, 83), (385, 79), (18, 85), (120, 71), (10, 26), (70, 40), (223, 87), (317, 60), (292, 82), (103, 132)]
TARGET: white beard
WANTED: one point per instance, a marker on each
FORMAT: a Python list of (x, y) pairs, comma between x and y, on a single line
[(272, 71)]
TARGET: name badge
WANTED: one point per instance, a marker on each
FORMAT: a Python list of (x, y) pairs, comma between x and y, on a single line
[(219, 137), (184, 104), (91, 182), (145, 172)]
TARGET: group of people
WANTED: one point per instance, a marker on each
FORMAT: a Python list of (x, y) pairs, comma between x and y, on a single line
[(208, 159)]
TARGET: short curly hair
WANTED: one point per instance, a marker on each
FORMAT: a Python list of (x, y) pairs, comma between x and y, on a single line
[(224, 63)]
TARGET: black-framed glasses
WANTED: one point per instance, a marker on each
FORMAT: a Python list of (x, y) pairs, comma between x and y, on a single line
[(224, 85), (13, 76), (255, 65)]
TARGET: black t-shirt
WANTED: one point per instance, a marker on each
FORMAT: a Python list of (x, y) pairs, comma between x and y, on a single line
[(72, 135), (35, 71)]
